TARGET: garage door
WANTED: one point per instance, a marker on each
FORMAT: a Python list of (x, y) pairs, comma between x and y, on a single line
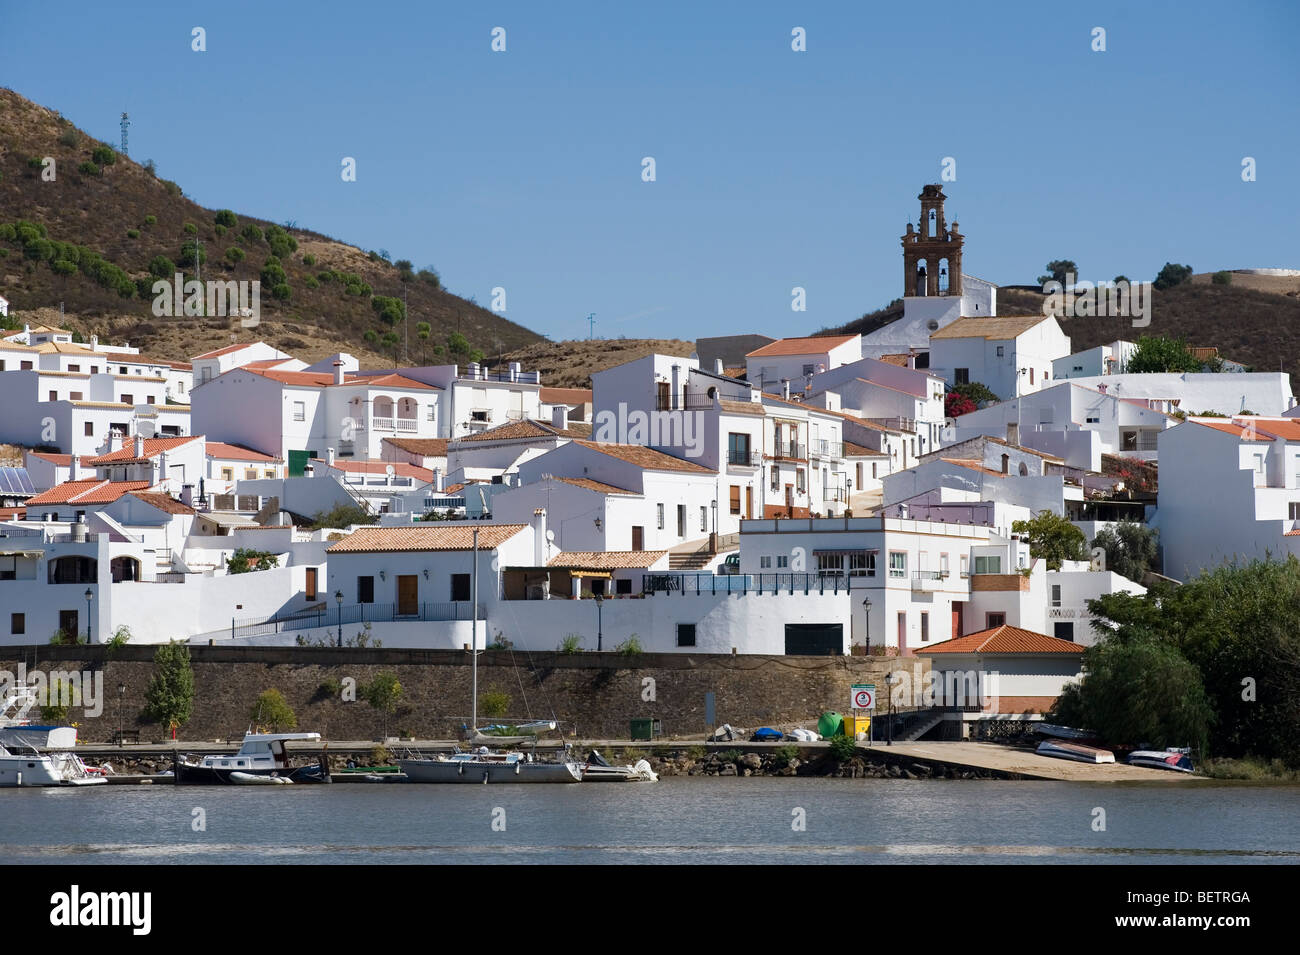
[(814, 639)]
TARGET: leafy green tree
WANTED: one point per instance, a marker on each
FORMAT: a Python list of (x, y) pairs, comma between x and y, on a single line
[(1141, 692), (244, 561), (234, 255), (226, 218), (975, 392), (60, 696), (429, 275), (390, 310), (383, 693), (88, 168), (1053, 538), (457, 345), (1172, 275), (189, 249), (1060, 270), (342, 515), (1159, 354), (162, 267), (1130, 548), (103, 155), (169, 698), (1221, 277), (273, 273), (251, 233), (271, 709)]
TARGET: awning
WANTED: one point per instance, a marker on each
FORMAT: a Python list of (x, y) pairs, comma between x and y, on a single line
[(847, 550), (588, 573)]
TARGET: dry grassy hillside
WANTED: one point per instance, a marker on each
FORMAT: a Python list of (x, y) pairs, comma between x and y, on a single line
[(104, 223), (570, 364)]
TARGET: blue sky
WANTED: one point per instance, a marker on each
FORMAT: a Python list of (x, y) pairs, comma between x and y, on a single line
[(774, 169)]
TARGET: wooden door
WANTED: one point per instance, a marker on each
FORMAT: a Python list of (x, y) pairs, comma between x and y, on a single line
[(408, 595), (311, 583), (681, 520), (749, 501), (638, 538), (789, 500)]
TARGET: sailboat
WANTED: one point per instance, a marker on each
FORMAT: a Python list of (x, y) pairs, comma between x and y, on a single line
[(484, 765)]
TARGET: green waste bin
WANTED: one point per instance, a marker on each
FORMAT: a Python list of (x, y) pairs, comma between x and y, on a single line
[(830, 724), (642, 729)]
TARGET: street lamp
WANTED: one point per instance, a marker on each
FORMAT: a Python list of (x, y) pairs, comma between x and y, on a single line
[(890, 680), (338, 599), (121, 692), (599, 622), (866, 616), (90, 632)]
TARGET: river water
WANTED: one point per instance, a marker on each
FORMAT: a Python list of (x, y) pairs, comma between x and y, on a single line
[(677, 820)]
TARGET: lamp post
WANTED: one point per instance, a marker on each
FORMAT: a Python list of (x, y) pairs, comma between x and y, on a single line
[(121, 692), (890, 680), (866, 618), (338, 599), (599, 622), (90, 630)]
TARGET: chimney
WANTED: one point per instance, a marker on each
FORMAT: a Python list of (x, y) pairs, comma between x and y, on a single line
[(515, 369), (677, 378), (114, 441), (162, 468), (139, 446), (560, 417), (717, 366), (74, 467), (187, 495), (911, 358), (94, 343), (539, 537), (785, 388), (338, 371), (329, 456), (472, 370)]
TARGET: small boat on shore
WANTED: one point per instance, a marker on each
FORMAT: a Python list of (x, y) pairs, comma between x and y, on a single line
[(598, 770), (1174, 760), (1064, 732), (485, 766), (1075, 751), (261, 755)]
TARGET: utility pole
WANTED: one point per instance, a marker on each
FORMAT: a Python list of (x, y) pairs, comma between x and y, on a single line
[(591, 325)]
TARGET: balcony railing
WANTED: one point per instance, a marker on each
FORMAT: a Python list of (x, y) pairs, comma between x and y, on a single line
[(482, 374), (897, 424), (324, 616), (685, 401), (745, 459), (777, 584), (821, 448), (395, 424), (792, 450)]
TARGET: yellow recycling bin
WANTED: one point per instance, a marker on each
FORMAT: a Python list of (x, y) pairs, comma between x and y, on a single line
[(854, 725)]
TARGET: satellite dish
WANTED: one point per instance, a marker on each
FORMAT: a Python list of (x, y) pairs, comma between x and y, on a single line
[(390, 470), (550, 537)]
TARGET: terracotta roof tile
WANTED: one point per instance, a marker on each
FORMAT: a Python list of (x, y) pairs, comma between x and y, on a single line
[(973, 464), (86, 491), (645, 458), (566, 396), (520, 430), (852, 450), (742, 407), (990, 329), (1004, 639), (606, 560), (900, 360), (236, 452), (222, 351), (59, 460), (163, 502), (801, 346), (428, 447), (152, 447), (442, 537), (591, 485), (401, 469)]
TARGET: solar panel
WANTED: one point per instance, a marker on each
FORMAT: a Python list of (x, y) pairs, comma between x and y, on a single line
[(15, 481)]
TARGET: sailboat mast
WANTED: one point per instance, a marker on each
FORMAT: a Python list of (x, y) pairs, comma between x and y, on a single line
[(473, 639)]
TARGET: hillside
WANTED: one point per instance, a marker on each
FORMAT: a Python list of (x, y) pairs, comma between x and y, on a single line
[(570, 364), (1255, 320), (105, 223)]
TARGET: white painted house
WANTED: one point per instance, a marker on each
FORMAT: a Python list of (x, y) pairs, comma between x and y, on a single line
[(793, 362), (1261, 393), (1010, 356)]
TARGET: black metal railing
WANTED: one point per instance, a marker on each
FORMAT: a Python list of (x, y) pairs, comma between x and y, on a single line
[(704, 583), (324, 616), (749, 459), (790, 450)]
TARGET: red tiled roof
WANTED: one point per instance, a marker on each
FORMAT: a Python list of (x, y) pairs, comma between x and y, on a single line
[(1235, 429), (597, 486), (417, 538), (152, 447), (428, 447), (163, 502), (1004, 639), (852, 450), (801, 346), (221, 351), (236, 452), (900, 360), (645, 458), (324, 379), (400, 468), (973, 464), (517, 430), (60, 460), (566, 396), (86, 491), (606, 560)]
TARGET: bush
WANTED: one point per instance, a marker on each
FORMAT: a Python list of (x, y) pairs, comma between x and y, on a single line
[(7, 232), (430, 276), (843, 748), (273, 274), (245, 560), (784, 755), (311, 282), (35, 162), (494, 704), (172, 188), (1222, 277), (219, 229), (162, 267), (571, 644), (251, 232), (271, 709), (88, 168), (70, 138), (189, 249), (169, 700), (191, 229), (133, 233), (63, 267), (281, 242), (390, 310), (344, 515), (281, 292), (234, 255), (309, 259), (1172, 275), (103, 155), (150, 220), (225, 217), (630, 647)]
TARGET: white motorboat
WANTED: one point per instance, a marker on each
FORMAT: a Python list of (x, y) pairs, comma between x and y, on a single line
[(486, 766), (36, 755), (597, 770), (1075, 751), (32, 768), (262, 754)]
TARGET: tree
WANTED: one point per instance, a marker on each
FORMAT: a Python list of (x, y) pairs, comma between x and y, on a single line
[(457, 345), (103, 155), (244, 560), (1158, 354), (1060, 270), (1053, 539), (271, 709), (169, 699), (1130, 548), (1140, 692), (162, 267), (383, 693), (60, 696), (226, 218), (975, 392), (1221, 277), (1172, 275), (955, 405)]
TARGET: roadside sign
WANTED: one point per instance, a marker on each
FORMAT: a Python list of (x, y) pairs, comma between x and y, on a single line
[(863, 696)]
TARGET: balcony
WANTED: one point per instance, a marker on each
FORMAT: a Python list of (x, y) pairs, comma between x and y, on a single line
[(744, 459), (686, 401), (404, 425), (821, 448), (927, 580), (789, 452), (896, 424)]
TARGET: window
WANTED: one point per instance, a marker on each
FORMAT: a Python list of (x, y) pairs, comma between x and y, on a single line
[(830, 565), (862, 565), (299, 411), (480, 416), (965, 565), (1056, 595), (365, 590), (992, 620), (460, 586), (1002, 351), (149, 399), (738, 448), (623, 586), (1093, 419), (268, 473), (18, 623), (925, 626), (1259, 464), (782, 560), (961, 376), (311, 583), (735, 499), (765, 561), (128, 399), (686, 634), (54, 395), (799, 479), (1031, 376), (90, 429), (25, 365), (776, 477), (431, 411), (250, 474), (989, 565), (809, 369), (1064, 630), (943, 565), (74, 368), (122, 369), (1293, 510), (74, 395), (897, 564), (704, 519), (659, 512), (227, 474)]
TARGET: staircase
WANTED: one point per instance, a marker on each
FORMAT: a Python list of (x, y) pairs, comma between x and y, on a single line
[(912, 726), (689, 560)]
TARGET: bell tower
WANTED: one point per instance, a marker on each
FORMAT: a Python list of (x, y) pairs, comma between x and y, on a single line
[(932, 252)]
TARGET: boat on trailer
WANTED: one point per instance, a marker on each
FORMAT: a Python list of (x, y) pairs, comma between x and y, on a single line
[(1172, 759), (1075, 751), (261, 755)]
